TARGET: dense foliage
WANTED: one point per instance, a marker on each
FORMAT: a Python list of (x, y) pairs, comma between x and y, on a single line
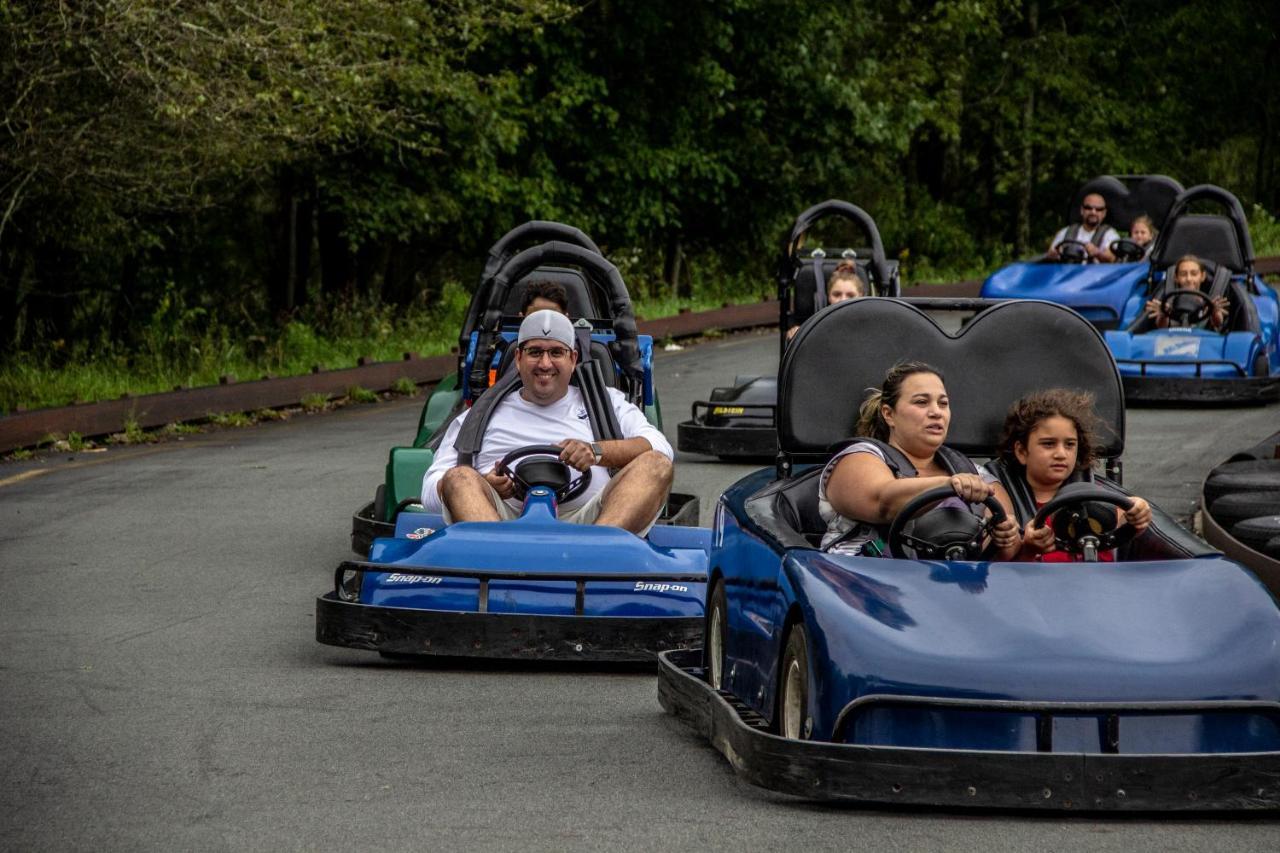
[(234, 165)]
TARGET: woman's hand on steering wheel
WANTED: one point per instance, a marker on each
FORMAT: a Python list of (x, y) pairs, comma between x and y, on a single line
[(971, 488)]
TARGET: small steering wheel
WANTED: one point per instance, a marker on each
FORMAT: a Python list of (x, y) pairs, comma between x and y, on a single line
[(1187, 306), (545, 469), (1081, 526), (1073, 252), (1127, 251), (947, 533)]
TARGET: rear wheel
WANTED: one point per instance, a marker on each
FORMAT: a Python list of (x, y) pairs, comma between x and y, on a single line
[(794, 719), (716, 632)]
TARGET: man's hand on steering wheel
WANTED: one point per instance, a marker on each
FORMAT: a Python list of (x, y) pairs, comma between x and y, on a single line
[(577, 454), (501, 483)]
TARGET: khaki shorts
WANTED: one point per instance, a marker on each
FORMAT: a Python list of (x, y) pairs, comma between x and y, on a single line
[(587, 513)]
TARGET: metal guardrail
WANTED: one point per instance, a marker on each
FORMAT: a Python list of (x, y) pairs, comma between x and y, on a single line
[(26, 429)]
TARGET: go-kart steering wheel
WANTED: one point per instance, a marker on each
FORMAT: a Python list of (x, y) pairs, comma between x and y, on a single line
[(1081, 529), (1187, 306), (946, 533), (543, 471), (1127, 251), (1073, 252)]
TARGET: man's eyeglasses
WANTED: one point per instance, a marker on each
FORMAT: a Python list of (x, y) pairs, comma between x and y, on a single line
[(536, 353), (1091, 207)]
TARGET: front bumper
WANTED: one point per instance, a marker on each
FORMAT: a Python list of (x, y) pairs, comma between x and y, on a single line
[(403, 631), (1244, 391), (760, 442), (966, 778)]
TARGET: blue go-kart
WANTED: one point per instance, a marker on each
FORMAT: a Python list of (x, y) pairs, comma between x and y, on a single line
[(1098, 292), (536, 587), (1187, 362), (935, 676), (535, 251)]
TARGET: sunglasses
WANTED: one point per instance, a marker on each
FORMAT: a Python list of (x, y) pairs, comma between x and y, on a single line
[(536, 353), (1091, 207)]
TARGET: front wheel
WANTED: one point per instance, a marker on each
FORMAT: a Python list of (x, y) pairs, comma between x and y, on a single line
[(716, 631), (794, 719)]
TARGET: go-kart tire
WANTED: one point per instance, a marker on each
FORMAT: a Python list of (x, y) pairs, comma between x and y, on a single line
[(716, 634), (1261, 367), (1247, 475), (793, 718), (1232, 509), (1268, 448), (380, 503), (1259, 533)]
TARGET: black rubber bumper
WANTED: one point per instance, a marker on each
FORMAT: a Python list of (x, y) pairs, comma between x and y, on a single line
[(365, 528), (402, 631), (752, 442), (963, 778), (1191, 391)]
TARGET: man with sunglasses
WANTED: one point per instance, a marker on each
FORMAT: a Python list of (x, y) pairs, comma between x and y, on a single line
[(1090, 231), (548, 410)]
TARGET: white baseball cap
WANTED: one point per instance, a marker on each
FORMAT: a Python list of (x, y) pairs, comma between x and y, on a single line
[(548, 324)]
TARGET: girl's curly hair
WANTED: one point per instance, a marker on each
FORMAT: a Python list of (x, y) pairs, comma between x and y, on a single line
[(1025, 414)]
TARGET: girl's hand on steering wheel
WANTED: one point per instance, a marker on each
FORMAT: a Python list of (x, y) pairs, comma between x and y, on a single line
[(1139, 515), (1038, 538), (970, 488)]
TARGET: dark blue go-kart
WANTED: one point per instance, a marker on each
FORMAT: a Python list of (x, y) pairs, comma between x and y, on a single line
[(1187, 361), (1152, 682), (1099, 292)]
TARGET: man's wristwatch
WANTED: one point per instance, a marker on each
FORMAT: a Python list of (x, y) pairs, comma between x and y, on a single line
[(598, 452)]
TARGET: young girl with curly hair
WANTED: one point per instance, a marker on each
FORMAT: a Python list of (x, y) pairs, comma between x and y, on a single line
[(1048, 437)]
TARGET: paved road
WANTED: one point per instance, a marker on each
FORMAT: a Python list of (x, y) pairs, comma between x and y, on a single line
[(160, 688)]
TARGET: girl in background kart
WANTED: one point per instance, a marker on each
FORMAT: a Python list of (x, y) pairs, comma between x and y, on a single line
[(1048, 438), (845, 283), (1189, 274)]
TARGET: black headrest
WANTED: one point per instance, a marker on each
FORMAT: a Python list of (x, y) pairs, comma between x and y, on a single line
[(881, 274), (1007, 351), (1222, 238), (1128, 197), (1209, 237), (575, 286)]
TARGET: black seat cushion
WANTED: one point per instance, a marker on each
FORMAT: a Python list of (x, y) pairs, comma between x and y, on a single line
[(1005, 352)]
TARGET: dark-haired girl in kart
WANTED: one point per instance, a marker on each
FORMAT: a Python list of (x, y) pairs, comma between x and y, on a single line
[(864, 486), (1189, 274), (1048, 438)]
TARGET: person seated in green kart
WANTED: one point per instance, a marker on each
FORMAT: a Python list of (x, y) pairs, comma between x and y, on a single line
[(543, 296), (548, 410)]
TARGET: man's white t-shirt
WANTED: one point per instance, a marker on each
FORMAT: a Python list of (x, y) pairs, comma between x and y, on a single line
[(1109, 236), (517, 423)]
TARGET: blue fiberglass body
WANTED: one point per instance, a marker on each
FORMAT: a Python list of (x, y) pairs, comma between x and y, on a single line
[(1143, 632), (531, 588), (1101, 293), (538, 543)]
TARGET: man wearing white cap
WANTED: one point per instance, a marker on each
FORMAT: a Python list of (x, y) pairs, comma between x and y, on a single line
[(548, 410)]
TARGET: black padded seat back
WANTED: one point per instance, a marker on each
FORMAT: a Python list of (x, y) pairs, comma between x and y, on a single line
[(599, 352), (796, 503), (1128, 197), (1209, 237), (1005, 352), (574, 283)]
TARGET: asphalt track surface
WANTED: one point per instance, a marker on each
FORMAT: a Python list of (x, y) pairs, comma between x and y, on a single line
[(160, 687)]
